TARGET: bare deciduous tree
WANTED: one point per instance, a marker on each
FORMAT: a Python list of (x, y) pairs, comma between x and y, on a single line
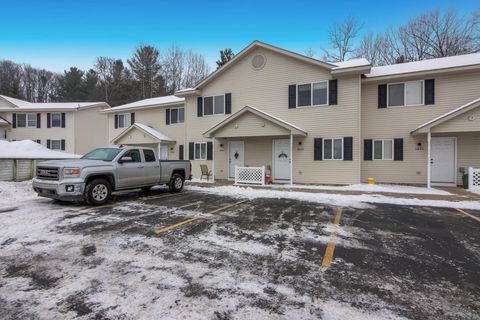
[(341, 37)]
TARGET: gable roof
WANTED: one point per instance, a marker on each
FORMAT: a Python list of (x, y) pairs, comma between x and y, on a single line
[(445, 63), (262, 114), (160, 137), (147, 103), (21, 104), (447, 116)]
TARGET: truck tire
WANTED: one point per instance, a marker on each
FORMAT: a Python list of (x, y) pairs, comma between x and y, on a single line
[(97, 192), (176, 183)]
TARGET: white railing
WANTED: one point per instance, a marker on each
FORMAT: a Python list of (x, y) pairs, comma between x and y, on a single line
[(250, 175), (474, 179)]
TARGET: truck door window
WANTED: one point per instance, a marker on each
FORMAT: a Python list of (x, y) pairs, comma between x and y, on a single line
[(134, 154), (149, 155)]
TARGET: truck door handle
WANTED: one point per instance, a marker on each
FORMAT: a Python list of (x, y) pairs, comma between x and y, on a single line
[(140, 167)]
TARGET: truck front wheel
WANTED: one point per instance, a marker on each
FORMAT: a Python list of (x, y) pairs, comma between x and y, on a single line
[(176, 183), (97, 192)]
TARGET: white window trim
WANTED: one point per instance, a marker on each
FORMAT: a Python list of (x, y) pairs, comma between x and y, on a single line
[(195, 151), (383, 148), (311, 94), (26, 120), (51, 120), (177, 115), (213, 114), (405, 94), (333, 148), (129, 115), (59, 144)]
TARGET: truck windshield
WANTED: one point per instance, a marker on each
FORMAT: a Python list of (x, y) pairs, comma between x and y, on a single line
[(104, 154)]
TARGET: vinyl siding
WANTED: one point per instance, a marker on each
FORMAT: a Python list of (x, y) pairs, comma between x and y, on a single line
[(90, 130), (249, 125), (267, 90), (467, 122), (451, 91)]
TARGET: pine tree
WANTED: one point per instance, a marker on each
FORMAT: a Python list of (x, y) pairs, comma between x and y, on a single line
[(71, 86), (146, 67), (225, 56)]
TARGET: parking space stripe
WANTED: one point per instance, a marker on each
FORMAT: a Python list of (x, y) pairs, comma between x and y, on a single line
[(468, 214), (197, 217), (328, 257)]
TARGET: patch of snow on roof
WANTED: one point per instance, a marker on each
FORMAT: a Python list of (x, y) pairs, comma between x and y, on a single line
[(361, 62), (149, 102), (27, 149), (48, 105), (426, 65), (153, 132)]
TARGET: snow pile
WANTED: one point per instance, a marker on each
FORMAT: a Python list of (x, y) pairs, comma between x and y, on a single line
[(14, 192), (354, 201), (27, 149), (389, 188)]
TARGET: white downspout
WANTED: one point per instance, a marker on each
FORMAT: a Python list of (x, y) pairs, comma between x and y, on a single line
[(291, 158), (213, 159), (429, 160)]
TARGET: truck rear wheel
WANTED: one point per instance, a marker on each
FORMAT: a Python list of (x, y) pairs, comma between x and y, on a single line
[(97, 192), (176, 183)]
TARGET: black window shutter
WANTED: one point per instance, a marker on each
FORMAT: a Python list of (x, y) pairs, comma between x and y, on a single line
[(39, 141), (199, 107), (191, 151), (292, 96), (209, 150), (116, 121), (398, 149), (382, 96), (348, 148), (332, 92), (132, 118), (430, 91), (228, 103), (317, 149), (14, 120), (367, 149), (167, 116), (49, 117), (63, 144), (180, 152), (63, 119), (39, 120), (48, 143)]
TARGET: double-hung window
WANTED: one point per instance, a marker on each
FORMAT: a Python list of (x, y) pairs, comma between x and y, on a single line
[(26, 120), (333, 149), (409, 93), (312, 94), (56, 144), (214, 105), (124, 120), (177, 115), (56, 120), (383, 149), (200, 151)]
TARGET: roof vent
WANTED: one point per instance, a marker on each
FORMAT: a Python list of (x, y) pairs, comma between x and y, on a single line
[(258, 61)]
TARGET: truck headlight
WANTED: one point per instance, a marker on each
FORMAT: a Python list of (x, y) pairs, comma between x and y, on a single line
[(71, 171)]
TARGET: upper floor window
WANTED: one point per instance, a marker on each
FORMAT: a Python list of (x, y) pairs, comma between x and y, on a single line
[(214, 105), (26, 120), (409, 93), (177, 115), (56, 120), (124, 120), (56, 144), (312, 94)]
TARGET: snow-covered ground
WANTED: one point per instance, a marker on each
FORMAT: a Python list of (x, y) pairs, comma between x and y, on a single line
[(354, 201), (27, 149)]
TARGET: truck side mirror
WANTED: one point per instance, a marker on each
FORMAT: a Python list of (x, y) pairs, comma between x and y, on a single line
[(125, 159)]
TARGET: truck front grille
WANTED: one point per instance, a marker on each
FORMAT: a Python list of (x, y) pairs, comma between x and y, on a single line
[(47, 173)]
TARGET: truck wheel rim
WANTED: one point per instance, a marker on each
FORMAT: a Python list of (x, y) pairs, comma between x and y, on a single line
[(100, 192), (178, 183)]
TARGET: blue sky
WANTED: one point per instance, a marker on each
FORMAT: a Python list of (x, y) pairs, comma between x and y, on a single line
[(59, 34)]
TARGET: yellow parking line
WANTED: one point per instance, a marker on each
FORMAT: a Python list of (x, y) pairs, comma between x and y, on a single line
[(327, 258), (468, 214), (197, 217), (162, 196)]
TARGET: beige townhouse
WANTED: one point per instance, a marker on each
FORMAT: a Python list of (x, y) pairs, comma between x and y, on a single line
[(158, 123), (73, 127)]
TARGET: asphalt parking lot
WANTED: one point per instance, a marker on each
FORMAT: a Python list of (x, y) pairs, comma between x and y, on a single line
[(196, 255)]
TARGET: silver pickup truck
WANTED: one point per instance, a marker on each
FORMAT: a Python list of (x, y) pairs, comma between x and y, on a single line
[(97, 174)]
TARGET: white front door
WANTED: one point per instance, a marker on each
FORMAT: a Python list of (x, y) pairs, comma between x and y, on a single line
[(281, 160), (443, 160), (163, 152), (236, 156)]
